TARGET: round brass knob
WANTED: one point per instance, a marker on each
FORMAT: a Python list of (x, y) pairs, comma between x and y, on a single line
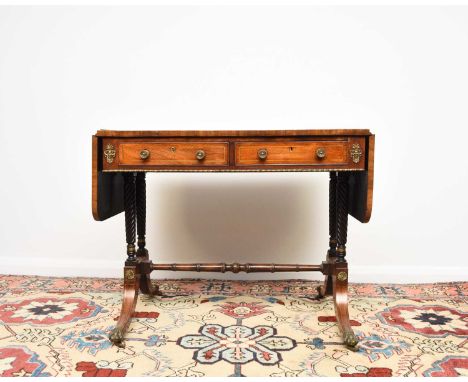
[(200, 154), (262, 154), (144, 154), (320, 152)]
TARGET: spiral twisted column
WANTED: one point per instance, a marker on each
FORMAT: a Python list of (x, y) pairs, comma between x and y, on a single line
[(332, 213), (341, 215), (130, 214), (141, 213)]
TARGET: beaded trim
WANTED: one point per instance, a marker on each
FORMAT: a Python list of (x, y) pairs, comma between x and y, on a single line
[(243, 170)]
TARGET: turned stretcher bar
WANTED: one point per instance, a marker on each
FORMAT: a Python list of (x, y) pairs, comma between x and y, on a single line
[(236, 267)]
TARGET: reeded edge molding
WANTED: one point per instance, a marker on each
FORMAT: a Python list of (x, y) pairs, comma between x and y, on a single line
[(241, 170)]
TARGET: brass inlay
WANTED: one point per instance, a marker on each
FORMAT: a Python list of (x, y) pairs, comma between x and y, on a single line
[(109, 153), (342, 276), (239, 170), (129, 274), (356, 152)]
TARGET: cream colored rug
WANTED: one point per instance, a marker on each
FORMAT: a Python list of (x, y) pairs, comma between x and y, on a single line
[(59, 327)]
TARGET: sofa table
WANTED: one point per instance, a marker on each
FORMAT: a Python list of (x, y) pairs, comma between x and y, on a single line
[(121, 159)]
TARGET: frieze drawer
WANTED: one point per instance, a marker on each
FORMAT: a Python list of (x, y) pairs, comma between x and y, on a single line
[(320, 153), (173, 154)]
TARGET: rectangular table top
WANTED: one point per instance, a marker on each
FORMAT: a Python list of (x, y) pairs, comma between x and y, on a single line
[(229, 133)]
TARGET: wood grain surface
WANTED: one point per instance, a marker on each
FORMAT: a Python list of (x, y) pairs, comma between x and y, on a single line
[(173, 153), (291, 153), (229, 133)]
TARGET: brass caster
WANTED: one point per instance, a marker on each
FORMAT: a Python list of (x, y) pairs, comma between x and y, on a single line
[(351, 341), (116, 336)]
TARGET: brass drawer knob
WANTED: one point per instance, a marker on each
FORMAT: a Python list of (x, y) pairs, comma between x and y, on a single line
[(320, 152), (200, 154), (144, 154), (262, 154)]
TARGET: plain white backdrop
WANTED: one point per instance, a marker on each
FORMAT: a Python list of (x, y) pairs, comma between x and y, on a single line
[(400, 71)]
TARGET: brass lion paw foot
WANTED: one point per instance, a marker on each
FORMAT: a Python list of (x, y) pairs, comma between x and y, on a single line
[(116, 336), (351, 341)]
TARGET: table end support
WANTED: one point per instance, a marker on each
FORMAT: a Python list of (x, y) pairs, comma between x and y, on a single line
[(130, 297), (340, 298)]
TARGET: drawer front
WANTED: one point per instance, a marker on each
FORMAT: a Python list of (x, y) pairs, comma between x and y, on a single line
[(173, 154), (320, 153)]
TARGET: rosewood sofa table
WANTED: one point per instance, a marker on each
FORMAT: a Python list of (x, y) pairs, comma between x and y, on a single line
[(121, 160)]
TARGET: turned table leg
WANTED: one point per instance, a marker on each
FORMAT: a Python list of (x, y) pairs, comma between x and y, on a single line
[(146, 286), (131, 272), (327, 288), (340, 269)]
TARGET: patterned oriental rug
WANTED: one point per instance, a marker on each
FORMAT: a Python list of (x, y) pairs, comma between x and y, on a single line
[(59, 327)]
